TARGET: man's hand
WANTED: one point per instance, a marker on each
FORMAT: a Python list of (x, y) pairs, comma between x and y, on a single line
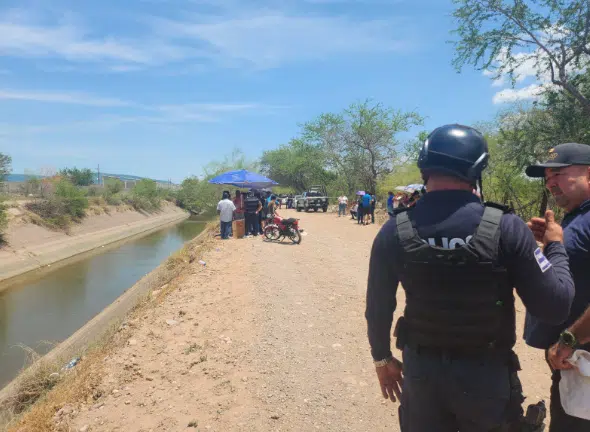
[(558, 355), (390, 379), (546, 230)]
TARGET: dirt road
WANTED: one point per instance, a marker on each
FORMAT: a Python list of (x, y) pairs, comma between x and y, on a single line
[(265, 337)]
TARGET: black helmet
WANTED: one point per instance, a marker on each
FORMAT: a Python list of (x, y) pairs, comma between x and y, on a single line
[(457, 150)]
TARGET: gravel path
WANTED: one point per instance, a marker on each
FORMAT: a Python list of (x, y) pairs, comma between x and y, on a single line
[(265, 337)]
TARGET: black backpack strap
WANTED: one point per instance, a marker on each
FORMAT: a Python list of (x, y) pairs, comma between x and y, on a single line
[(405, 230), (487, 236)]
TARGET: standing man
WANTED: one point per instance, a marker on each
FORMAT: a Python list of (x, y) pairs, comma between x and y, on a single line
[(225, 210), (252, 207), (567, 176), (373, 204), (390, 205), (361, 211), (458, 261), (366, 200), (342, 204)]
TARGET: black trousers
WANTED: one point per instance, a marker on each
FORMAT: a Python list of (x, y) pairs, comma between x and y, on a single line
[(560, 421), (445, 394)]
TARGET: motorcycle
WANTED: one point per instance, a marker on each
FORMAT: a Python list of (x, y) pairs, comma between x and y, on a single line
[(278, 228)]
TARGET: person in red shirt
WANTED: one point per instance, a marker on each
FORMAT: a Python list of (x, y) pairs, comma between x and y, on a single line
[(239, 203)]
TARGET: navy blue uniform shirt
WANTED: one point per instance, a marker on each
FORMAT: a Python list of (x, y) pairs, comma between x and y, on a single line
[(448, 219), (576, 238)]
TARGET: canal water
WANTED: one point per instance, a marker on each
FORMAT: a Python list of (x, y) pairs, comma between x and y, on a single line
[(47, 308)]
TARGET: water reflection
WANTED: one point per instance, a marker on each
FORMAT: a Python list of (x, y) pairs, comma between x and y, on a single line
[(54, 306)]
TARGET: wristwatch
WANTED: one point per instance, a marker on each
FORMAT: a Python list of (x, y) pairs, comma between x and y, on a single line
[(568, 339), (383, 362)]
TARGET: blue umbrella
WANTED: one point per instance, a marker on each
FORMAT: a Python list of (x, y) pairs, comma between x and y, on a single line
[(243, 179)]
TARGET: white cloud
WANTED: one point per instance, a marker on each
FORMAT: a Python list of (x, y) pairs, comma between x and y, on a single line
[(532, 91), (273, 38), (64, 98), (24, 35), (233, 36)]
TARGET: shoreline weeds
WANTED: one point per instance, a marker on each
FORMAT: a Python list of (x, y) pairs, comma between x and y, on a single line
[(29, 258)]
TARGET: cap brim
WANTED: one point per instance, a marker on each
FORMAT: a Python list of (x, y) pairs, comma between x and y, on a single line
[(539, 170)]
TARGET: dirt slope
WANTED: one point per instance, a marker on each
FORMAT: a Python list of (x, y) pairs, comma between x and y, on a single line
[(265, 337)]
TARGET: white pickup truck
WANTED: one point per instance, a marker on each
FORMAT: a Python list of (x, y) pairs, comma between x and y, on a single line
[(315, 198)]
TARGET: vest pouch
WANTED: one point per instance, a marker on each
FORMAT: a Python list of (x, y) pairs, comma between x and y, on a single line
[(401, 333)]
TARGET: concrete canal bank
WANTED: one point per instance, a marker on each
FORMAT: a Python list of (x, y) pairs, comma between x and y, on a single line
[(31, 247)]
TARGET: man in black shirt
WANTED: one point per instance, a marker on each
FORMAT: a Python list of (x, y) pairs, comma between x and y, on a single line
[(458, 261), (253, 207)]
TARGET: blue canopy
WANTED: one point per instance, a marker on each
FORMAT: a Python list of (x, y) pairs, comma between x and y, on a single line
[(243, 179)]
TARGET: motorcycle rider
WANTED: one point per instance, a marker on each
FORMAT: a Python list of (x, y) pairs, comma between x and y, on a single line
[(458, 261)]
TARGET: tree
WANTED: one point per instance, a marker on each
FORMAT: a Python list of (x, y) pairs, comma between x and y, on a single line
[(299, 164), (551, 36), (5, 162), (188, 195), (371, 134), (413, 148), (113, 185), (78, 177)]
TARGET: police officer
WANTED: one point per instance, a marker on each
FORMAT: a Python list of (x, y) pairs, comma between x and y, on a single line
[(458, 261)]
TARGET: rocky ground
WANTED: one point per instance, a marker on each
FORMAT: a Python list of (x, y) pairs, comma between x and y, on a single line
[(264, 337)]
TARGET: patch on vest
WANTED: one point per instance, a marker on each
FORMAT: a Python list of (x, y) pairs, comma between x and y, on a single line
[(542, 260)]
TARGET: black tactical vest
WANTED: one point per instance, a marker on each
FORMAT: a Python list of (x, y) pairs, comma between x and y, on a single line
[(456, 299)]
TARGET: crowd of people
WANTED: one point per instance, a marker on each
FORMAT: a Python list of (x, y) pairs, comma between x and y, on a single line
[(255, 208), (363, 208)]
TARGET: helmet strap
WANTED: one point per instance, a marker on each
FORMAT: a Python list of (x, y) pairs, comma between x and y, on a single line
[(480, 185)]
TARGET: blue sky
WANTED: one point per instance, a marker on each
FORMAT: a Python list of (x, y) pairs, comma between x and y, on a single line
[(159, 88)]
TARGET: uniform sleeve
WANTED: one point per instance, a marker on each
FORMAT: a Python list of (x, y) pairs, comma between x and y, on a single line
[(542, 280), (381, 291)]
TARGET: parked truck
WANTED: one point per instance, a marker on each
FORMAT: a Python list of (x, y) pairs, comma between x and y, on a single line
[(315, 198)]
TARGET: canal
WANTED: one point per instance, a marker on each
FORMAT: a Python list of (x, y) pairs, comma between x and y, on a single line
[(46, 308)]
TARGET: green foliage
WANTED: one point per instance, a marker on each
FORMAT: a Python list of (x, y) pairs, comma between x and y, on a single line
[(114, 199), (198, 196), (5, 162), (3, 221), (93, 191), (506, 36), (113, 186), (413, 147), (67, 205), (145, 195), (73, 198), (347, 151), (299, 164), (404, 174), (78, 177)]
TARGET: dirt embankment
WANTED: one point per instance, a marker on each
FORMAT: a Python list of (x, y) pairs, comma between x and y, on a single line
[(264, 337), (31, 246)]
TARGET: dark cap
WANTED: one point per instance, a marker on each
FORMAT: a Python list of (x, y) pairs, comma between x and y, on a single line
[(562, 155)]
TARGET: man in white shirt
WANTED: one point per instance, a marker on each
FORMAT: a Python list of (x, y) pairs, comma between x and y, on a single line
[(225, 210), (342, 204)]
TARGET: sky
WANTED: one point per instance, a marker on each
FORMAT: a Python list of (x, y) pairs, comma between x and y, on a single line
[(159, 88)]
